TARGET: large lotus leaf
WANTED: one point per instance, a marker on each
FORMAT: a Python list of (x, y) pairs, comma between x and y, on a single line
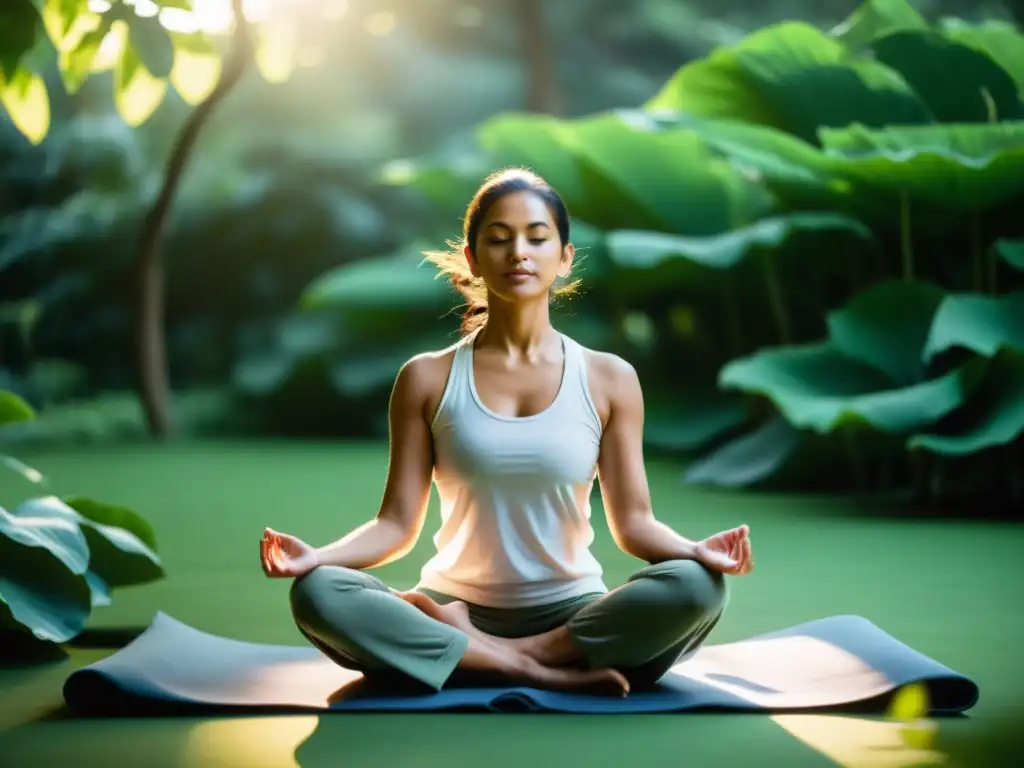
[(537, 142), (999, 418), (636, 177), (111, 515), (116, 555), (999, 40), (1012, 252), (447, 180), (982, 324), (968, 167), (748, 459), (817, 387), (958, 83), (382, 293), (797, 171), (43, 561), (689, 421), (649, 250), (796, 78), (876, 18), (886, 326), (13, 409)]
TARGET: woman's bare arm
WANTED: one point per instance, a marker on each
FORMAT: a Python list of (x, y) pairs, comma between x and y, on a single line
[(398, 523), (623, 477)]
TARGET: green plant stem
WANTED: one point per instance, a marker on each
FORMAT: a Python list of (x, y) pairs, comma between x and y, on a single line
[(993, 270), (856, 461), (977, 255), (733, 317), (906, 242), (771, 278)]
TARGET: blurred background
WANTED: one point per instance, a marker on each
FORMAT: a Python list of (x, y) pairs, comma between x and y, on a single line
[(799, 219)]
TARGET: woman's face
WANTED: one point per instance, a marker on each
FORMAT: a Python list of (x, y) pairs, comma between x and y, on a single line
[(518, 252)]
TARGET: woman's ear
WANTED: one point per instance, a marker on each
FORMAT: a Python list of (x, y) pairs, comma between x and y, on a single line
[(468, 253), (568, 255)]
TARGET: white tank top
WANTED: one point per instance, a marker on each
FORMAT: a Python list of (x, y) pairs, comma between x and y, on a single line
[(515, 492)]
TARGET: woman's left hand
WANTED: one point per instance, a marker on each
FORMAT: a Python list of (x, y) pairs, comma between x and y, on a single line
[(727, 552)]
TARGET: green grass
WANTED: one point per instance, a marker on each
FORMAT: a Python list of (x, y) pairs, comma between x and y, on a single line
[(945, 588)]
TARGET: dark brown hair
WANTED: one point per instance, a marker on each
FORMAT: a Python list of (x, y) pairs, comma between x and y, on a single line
[(452, 263)]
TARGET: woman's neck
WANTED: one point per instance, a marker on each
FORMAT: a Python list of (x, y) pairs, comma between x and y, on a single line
[(525, 329)]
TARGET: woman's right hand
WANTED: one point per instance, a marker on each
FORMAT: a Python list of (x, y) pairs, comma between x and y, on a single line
[(283, 555)]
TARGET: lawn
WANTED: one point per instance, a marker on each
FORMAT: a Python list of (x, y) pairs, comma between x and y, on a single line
[(944, 588)]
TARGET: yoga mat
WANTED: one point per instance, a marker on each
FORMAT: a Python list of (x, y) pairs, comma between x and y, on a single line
[(832, 663)]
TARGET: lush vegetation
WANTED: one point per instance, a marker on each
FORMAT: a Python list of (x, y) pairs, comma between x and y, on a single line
[(805, 240), (61, 557), (808, 242)]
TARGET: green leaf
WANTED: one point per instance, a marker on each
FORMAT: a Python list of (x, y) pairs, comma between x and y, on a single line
[(77, 64), (998, 419), (617, 172), (749, 459), (886, 326), (18, 33), (43, 562), (982, 324), (648, 250), (689, 421), (27, 102), (999, 40), (538, 142), (392, 283), (152, 44), (13, 409), (99, 591), (797, 171), (118, 517), (137, 94), (876, 18), (796, 78), (817, 387), (958, 83), (962, 168), (1012, 252), (116, 556)]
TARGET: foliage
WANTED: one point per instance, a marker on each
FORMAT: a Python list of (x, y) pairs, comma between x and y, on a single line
[(62, 557), (822, 180)]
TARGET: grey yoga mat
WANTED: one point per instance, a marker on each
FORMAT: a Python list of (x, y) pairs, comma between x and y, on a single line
[(841, 662)]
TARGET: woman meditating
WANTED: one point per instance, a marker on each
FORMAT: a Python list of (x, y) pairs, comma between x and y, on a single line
[(513, 423)]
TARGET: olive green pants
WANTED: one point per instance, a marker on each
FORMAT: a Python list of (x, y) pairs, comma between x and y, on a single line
[(661, 614)]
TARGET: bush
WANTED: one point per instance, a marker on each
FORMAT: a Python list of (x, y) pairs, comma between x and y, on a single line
[(62, 557)]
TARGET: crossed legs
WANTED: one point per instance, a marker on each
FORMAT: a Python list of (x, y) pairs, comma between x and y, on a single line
[(632, 635)]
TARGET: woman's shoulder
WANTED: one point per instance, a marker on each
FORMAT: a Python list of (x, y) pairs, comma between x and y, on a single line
[(425, 374), (612, 380)]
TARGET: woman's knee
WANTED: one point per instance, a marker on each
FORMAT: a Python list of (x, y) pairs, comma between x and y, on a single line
[(316, 595), (695, 591)]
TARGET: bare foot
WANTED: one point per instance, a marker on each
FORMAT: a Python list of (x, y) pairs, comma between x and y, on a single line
[(603, 682), (606, 682)]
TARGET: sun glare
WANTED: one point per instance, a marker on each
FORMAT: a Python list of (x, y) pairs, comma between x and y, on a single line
[(212, 16)]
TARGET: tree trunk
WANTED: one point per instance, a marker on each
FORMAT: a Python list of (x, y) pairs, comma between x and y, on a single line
[(154, 385), (542, 92)]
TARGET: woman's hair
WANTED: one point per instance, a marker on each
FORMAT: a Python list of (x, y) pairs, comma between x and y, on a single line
[(452, 263)]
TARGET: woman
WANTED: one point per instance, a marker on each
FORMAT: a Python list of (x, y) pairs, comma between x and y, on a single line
[(513, 424)]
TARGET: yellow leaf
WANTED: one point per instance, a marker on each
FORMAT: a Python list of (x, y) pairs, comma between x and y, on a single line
[(195, 74), (27, 103), (275, 56), (140, 98), (66, 38)]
